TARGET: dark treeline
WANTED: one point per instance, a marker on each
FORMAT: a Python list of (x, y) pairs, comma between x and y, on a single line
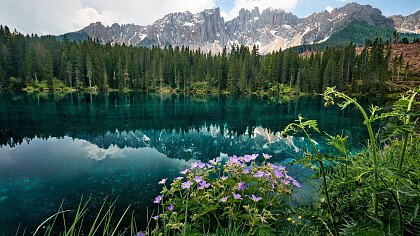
[(27, 60)]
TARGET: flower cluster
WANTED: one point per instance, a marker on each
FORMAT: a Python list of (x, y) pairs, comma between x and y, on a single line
[(238, 189)]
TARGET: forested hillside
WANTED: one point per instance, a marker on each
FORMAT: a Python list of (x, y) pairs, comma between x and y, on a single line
[(359, 33), (47, 63)]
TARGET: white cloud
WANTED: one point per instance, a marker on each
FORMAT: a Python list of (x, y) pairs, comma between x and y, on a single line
[(61, 16), (329, 9), (287, 5)]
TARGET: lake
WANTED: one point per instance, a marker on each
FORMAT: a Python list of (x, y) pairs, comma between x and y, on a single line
[(56, 147)]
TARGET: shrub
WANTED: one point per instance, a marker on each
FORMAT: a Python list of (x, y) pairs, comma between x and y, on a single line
[(239, 197), (376, 191)]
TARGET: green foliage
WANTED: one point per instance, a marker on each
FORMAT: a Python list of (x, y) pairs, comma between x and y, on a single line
[(280, 89), (302, 125), (244, 196), (56, 86), (236, 198), (104, 223), (374, 192), (15, 83)]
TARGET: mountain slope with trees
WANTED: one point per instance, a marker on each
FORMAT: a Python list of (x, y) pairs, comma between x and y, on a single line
[(359, 32)]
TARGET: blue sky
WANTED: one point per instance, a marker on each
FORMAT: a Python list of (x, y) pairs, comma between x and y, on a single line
[(62, 16)]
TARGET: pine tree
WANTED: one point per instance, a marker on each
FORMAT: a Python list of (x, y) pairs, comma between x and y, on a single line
[(89, 70), (104, 84), (69, 73), (223, 70), (3, 80)]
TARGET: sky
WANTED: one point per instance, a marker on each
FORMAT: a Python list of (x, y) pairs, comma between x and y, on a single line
[(61, 16)]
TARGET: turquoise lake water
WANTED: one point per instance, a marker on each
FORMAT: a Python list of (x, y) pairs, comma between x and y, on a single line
[(56, 147)]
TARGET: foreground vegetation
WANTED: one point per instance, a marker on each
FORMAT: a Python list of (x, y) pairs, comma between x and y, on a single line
[(374, 192), (39, 63)]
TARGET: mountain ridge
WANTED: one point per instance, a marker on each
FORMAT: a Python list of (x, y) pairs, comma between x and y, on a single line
[(270, 30)]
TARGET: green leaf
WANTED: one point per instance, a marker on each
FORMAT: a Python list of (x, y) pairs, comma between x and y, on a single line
[(369, 232)]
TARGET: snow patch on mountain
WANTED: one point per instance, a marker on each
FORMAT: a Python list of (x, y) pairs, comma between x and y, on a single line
[(271, 29)]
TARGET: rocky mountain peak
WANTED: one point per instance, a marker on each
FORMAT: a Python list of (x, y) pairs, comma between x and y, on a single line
[(270, 29), (408, 24)]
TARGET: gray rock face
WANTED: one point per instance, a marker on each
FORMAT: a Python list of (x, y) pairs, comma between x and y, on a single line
[(409, 24), (186, 29), (116, 34), (270, 29)]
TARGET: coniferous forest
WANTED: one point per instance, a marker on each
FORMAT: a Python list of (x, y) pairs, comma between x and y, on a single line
[(32, 60)]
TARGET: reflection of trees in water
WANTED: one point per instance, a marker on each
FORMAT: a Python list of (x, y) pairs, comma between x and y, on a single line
[(22, 117)]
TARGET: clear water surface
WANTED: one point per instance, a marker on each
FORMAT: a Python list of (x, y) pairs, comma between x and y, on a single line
[(56, 147)]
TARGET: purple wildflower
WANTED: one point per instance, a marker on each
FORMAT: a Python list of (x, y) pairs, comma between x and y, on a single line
[(186, 185), (198, 179), (163, 181), (194, 165), (247, 158), (255, 198), (184, 172), (156, 217), (234, 160), (209, 166), (245, 171), (171, 207), (282, 168), (237, 195), (278, 173), (140, 234), (158, 199), (259, 174), (296, 183), (214, 161), (224, 178), (203, 184), (200, 165), (285, 181), (241, 186), (266, 156), (224, 199), (254, 156)]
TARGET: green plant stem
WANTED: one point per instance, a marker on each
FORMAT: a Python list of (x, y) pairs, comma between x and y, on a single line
[(400, 215), (397, 202), (186, 216), (373, 143), (405, 137), (318, 156), (328, 197), (347, 160), (49, 218)]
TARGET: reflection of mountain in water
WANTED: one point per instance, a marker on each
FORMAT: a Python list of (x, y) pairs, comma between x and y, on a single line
[(203, 143), (174, 118)]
